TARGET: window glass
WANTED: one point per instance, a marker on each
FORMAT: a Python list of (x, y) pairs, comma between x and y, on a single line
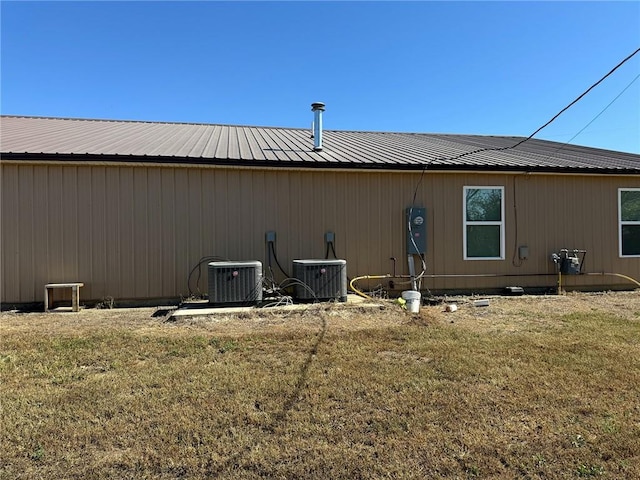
[(629, 222), (484, 204), (630, 205), (483, 241), (483, 223), (631, 240)]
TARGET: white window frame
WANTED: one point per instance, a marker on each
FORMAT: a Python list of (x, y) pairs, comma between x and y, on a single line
[(621, 222), (465, 223)]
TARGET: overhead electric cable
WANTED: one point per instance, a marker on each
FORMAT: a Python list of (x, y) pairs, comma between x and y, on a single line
[(580, 97), (601, 112), (497, 149)]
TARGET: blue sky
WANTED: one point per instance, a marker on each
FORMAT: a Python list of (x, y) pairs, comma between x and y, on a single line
[(494, 68)]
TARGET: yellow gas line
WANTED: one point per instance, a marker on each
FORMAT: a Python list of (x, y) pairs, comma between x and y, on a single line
[(632, 280), (365, 277)]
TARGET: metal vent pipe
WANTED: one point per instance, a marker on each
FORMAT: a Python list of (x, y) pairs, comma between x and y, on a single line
[(317, 108)]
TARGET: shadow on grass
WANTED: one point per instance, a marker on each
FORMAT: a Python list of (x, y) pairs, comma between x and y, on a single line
[(281, 416)]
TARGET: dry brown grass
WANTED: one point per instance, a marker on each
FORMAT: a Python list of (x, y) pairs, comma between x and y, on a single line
[(530, 387)]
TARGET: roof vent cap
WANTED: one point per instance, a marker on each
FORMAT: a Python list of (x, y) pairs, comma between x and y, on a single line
[(317, 108)]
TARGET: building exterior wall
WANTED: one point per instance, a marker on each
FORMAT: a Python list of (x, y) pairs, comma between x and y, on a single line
[(135, 231)]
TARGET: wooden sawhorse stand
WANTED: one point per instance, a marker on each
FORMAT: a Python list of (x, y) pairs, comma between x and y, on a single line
[(75, 294)]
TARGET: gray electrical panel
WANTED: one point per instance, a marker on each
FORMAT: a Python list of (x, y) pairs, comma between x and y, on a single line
[(416, 228)]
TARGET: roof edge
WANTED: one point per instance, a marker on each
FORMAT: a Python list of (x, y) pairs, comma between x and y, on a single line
[(195, 162)]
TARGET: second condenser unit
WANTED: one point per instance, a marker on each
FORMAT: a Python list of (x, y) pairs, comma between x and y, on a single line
[(320, 279), (235, 283)]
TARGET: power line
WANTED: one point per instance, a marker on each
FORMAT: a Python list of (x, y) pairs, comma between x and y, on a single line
[(601, 112), (497, 149), (579, 98)]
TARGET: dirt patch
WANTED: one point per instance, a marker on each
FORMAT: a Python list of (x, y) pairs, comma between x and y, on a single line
[(503, 313)]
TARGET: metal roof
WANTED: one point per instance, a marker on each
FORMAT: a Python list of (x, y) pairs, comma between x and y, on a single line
[(43, 138)]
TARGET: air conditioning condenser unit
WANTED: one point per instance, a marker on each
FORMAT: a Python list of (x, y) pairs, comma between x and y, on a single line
[(235, 283), (320, 279)]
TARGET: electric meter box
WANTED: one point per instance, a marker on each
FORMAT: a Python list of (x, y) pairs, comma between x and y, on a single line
[(416, 227)]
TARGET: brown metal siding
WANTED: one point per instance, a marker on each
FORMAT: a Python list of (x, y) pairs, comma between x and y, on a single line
[(135, 232)]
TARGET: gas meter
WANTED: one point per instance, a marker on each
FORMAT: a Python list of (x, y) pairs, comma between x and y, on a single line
[(569, 262)]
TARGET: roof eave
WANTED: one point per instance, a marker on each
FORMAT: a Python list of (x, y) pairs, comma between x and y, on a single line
[(320, 164)]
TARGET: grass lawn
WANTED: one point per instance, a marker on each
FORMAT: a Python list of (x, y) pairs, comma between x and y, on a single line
[(529, 387)]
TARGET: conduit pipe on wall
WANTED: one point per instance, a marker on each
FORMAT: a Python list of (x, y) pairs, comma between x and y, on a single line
[(472, 275), (632, 280)]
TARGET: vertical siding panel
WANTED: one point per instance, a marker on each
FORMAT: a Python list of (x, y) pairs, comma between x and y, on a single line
[(126, 240), (348, 197), (307, 219), (262, 200), (362, 219), (284, 225), (182, 231), (376, 236), (25, 234), (85, 234), (399, 197), (344, 244), (244, 197), (142, 241), (521, 210), (388, 186), (56, 252), (41, 230), (209, 216), (159, 262), (310, 213), (113, 221), (277, 184), (316, 207), (11, 274), (293, 233), (606, 238), (533, 208), (402, 198), (99, 287), (607, 211), (359, 224), (438, 224), (329, 212), (70, 223), (271, 212), (195, 225), (168, 185), (321, 196), (225, 206)]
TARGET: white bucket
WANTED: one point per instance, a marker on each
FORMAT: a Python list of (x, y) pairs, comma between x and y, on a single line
[(413, 300)]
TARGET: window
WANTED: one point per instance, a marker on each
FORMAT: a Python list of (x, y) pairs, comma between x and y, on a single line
[(629, 221), (483, 223)]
